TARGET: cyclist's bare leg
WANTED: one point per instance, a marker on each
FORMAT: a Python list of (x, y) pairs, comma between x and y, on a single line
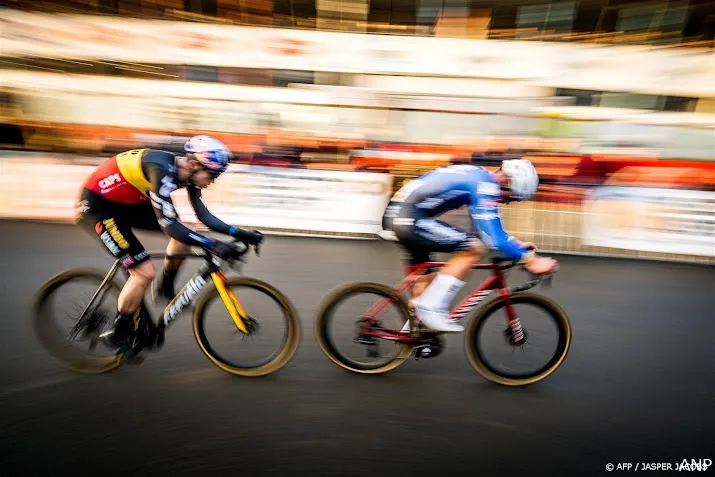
[(130, 300), (459, 266), (171, 266), (173, 248), (434, 302), (422, 283), (140, 277)]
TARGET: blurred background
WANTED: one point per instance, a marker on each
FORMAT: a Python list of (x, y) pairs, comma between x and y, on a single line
[(329, 106), (598, 93)]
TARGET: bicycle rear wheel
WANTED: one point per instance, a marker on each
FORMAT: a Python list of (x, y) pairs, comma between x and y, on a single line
[(268, 310), (58, 342), (353, 318), (556, 320)]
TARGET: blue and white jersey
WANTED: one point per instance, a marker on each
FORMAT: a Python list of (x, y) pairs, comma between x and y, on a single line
[(452, 187)]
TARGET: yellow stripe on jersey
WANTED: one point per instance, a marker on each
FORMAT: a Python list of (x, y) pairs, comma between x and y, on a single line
[(130, 165)]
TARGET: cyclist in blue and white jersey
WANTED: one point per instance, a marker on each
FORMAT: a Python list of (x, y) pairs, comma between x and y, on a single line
[(411, 216)]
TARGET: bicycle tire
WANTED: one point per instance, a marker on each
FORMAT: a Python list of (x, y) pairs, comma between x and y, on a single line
[(288, 348), (325, 314), (476, 359), (57, 346)]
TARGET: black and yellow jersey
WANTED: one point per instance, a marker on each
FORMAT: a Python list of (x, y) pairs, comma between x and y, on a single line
[(150, 176)]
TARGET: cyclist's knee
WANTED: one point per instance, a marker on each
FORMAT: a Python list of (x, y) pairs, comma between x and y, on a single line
[(475, 249), (144, 272), (175, 246)]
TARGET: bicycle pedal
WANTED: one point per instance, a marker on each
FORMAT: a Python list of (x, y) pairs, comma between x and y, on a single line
[(366, 340), (132, 358), (160, 338)]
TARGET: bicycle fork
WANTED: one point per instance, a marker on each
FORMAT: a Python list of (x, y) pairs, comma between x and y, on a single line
[(230, 301), (514, 333)]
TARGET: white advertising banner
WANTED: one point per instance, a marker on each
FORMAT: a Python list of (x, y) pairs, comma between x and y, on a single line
[(651, 219), (291, 200), (40, 187), (297, 199), (572, 65)]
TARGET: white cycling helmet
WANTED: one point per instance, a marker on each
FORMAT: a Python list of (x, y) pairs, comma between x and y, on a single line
[(523, 179), (210, 152)]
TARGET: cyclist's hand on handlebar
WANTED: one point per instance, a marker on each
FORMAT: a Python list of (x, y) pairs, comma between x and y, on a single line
[(251, 237), (530, 246), (541, 265), (224, 250)]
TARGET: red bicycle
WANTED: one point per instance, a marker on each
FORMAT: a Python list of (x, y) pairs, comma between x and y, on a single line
[(408, 339)]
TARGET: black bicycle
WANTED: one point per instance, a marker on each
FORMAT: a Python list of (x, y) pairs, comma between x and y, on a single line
[(208, 286)]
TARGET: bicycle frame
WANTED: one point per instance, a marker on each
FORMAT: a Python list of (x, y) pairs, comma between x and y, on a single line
[(211, 270), (495, 282)]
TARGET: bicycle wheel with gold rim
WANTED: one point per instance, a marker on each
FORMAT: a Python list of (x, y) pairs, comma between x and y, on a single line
[(491, 348), (338, 324), (272, 324)]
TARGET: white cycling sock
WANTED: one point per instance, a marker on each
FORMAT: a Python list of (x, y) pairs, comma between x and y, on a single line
[(440, 293)]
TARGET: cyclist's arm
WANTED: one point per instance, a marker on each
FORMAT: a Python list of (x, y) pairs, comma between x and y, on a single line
[(162, 184), (484, 210), (203, 214)]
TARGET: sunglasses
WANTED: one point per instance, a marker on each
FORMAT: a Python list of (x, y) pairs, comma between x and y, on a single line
[(212, 173)]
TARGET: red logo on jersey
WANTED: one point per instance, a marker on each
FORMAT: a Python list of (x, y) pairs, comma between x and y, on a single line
[(98, 227), (108, 181)]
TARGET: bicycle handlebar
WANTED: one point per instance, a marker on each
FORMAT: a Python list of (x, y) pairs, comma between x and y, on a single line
[(246, 248), (240, 252), (544, 280)]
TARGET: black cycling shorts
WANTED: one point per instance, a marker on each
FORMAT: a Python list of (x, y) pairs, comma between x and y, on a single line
[(421, 235), (112, 224)]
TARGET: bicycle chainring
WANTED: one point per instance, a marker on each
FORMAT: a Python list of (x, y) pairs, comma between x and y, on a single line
[(430, 347)]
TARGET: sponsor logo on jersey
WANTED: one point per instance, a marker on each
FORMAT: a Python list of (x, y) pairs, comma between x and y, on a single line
[(392, 211), (403, 221), (110, 181), (109, 243), (484, 216), (115, 233), (167, 186), (166, 208), (490, 203), (83, 206), (488, 188), (199, 239)]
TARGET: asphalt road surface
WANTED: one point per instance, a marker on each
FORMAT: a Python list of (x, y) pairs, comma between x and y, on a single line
[(637, 386)]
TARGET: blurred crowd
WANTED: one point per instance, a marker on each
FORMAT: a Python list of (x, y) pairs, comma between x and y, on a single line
[(672, 23), (572, 146)]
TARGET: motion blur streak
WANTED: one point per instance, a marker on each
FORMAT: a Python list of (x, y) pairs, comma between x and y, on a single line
[(641, 330)]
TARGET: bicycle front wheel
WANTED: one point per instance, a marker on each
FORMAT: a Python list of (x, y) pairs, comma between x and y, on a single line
[(491, 349), (273, 329)]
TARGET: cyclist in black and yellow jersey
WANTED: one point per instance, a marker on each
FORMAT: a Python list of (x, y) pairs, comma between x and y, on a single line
[(133, 190)]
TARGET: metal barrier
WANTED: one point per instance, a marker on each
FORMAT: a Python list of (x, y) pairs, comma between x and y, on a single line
[(558, 227)]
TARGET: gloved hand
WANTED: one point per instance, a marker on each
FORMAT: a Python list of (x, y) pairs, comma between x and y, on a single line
[(251, 237), (224, 250)]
